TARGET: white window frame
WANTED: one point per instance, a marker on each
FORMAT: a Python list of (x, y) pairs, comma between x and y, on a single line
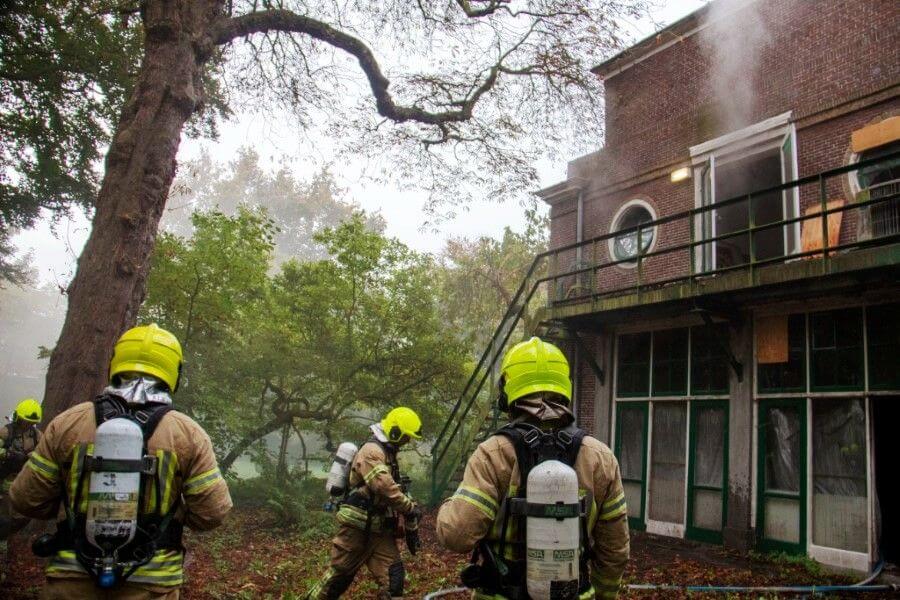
[(765, 135), (614, 226)]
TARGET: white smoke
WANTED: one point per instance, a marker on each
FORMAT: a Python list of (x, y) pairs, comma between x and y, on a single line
[(738, 33)]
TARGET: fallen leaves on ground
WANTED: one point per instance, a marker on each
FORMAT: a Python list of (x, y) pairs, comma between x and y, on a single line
[(252, 557)]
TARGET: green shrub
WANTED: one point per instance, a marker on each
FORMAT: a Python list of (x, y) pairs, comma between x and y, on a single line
[(295, 502)]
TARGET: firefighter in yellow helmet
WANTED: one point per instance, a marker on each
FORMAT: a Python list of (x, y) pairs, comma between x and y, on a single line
[(371, 516), (18, 439), (488, 511), (172, 481)]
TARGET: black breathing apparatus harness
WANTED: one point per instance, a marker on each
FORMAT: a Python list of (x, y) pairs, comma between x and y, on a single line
[(155, 530), (489, 568)]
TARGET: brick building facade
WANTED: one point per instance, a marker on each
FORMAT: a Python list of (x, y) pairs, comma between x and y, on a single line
[(740, 377)]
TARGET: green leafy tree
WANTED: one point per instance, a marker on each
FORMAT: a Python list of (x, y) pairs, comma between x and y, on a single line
[(480, 277), (66, 69), (456, 97), (298, 208), (322, 346)]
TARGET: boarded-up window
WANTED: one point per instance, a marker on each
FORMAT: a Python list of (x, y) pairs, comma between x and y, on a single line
[(667, 474), (772, 340), (840, 509), (788, 375), (811, 230)]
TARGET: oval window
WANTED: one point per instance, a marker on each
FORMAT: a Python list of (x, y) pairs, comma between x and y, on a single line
[(625, 246)]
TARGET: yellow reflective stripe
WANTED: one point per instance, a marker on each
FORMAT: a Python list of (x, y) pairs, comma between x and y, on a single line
[(43, 466), (486, 498), (478, 499), (78, 454), (317, 588), (200, 482), (357, 518), (166, 568), (614, 501), (167, 465), (375, 472), (614, 508)]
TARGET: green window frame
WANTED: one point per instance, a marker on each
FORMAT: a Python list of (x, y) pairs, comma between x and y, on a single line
[(836, 350), (883, 337), (694, 532), (709, 362), (763, 494), (670, 362), (781, 378), (633, 365), (638, 520)]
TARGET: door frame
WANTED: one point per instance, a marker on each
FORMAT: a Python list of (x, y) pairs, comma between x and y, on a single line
[(698, 533), (767, 545), (639, 522)]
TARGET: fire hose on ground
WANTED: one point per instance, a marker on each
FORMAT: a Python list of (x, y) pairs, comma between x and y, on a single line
[(864, 586)]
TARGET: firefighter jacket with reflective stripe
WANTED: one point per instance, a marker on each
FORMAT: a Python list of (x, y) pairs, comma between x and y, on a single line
[(491, 474), (16, 443), (187, 478), (372, 477)]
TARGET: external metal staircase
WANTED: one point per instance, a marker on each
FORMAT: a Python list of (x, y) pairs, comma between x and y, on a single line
[(475, 414)]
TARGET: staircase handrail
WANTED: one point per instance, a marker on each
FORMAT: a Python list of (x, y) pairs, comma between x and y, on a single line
[(438, 454)]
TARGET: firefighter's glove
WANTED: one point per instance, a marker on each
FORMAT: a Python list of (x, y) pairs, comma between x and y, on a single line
[(412, 540), (414, 516), (14, 459)]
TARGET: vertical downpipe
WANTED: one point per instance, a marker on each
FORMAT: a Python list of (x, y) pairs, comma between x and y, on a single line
[(579, 237)]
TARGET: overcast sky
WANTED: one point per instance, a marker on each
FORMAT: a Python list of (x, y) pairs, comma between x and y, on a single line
[(56, 247)]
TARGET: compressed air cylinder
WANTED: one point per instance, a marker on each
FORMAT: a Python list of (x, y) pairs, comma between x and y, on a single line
[(552, 543), (112, 508), (339, 474)]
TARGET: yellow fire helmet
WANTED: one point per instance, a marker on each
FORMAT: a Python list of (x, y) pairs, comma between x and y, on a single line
[(531, 367), (150, 350), (402, 421), (29, 410)]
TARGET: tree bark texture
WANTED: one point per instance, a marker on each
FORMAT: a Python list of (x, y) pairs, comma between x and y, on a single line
[(109, 284)]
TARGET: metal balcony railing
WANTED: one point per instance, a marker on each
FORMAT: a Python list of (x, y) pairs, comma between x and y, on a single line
[(681, 255)]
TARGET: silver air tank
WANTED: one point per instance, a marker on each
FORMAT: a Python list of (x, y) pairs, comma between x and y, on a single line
[(553, 544), (339, 474), (112, 506)]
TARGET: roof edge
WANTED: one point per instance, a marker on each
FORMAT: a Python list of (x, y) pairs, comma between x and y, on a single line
[(683, 27), (560, 192)]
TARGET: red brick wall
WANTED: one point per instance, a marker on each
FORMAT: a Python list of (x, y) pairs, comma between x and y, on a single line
[(820, 56)]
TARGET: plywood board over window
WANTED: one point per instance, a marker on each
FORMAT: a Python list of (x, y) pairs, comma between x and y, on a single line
[(772, 340), (811, 235), (877, 134)]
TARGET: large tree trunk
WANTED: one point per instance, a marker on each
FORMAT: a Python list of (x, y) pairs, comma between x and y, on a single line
[(108, 288)]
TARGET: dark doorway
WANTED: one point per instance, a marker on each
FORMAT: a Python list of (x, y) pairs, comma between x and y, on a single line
[(885, 416), (739, 178)]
